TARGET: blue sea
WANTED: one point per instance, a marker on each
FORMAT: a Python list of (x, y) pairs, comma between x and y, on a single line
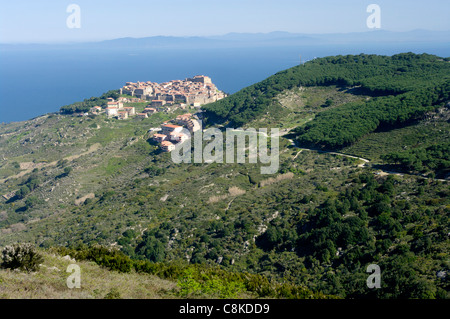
[(38, 81)]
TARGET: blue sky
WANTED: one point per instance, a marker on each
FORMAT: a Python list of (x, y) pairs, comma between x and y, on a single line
[(45, 20)]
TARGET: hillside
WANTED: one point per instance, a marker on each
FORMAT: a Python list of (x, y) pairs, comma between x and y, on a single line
[(106, 273), (317, 223), (397, 89), (360, 96), (49, 282)]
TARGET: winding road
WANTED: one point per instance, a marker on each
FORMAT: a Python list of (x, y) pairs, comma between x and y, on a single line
[(365, 161)]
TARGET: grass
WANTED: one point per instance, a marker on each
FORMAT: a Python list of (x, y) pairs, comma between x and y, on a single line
[(96, 283)]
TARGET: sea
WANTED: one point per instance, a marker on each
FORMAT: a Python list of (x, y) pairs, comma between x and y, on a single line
[(36, 81)]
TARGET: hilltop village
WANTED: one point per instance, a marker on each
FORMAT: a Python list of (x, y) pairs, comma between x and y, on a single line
[(193, 91), (164, 97)]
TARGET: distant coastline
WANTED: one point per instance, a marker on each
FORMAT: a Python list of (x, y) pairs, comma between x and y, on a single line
[(40, 78)]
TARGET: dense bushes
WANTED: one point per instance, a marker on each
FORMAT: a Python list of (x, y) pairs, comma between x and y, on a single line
[(191, 284), (21, 256), (193, 280), (433, 158), (29, 185), (153, 171), (110, 258), (366, 223)]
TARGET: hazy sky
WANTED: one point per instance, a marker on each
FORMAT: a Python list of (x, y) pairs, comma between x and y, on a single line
[(45, 20)]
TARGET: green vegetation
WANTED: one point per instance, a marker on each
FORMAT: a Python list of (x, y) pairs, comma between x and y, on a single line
[(87, 104), (434, 158), (432, 129), (367, 223), (401, 87), (225, 230), (193, 281), (343, 126), (20, 256), (28, 185), (49, 281)]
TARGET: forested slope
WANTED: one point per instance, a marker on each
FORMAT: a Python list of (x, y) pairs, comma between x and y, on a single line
[(401, 88)]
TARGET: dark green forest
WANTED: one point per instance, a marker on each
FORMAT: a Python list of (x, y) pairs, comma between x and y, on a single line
[(329, 246), (365, 224), (401, 88), (435, 158)]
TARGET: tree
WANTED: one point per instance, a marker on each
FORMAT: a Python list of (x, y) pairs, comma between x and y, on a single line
[(23, 192), (32, 201), (152, 249)]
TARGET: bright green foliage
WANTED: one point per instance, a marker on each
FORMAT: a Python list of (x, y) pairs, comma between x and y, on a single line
[(195, 284)]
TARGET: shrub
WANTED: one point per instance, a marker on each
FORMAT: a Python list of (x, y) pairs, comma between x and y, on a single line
[(113, 294), (118, 262), (33, 201), (189, 286), (21, 256), (195, 283), (111, 258), (67, 170), (23, 192)]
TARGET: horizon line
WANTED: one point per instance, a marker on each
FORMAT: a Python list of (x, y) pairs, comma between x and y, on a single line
[(213, 35)]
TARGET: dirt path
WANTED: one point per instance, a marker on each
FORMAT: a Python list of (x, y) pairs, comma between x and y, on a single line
[(298, 153), (365, 161), (351, 156)]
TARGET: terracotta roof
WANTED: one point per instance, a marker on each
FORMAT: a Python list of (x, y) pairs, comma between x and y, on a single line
[(171, 125)]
